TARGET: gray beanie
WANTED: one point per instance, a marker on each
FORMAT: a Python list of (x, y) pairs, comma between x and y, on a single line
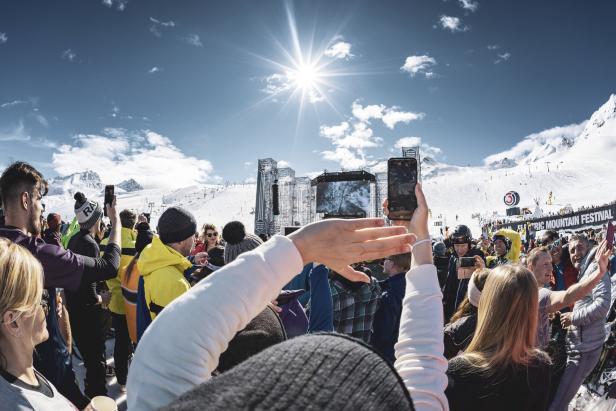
[(88, 212), (238, 241), (314, 371)]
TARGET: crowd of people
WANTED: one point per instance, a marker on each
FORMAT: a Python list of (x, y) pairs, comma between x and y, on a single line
[(339, 314)]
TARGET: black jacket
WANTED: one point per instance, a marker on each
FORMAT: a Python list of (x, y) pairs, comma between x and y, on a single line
[(458, 335), (455, 290)]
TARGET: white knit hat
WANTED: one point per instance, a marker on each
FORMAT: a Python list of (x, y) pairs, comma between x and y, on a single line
[(88, 212)]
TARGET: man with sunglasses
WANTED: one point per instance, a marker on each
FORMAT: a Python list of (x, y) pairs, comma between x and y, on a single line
[(22, 188)]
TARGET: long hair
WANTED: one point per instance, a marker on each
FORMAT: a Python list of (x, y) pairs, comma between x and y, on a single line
[(466, 308), (21, 281), (204, 229), (507, 322)]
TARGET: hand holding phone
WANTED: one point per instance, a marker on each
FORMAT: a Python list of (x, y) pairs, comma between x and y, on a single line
[(109, 193), (401, 181)]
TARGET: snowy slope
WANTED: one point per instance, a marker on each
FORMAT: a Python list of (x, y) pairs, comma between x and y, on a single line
[(581, 160)]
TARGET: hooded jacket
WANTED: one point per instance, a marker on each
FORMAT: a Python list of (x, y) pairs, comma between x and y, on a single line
[(116, 305), (162, 269), (587, 331)]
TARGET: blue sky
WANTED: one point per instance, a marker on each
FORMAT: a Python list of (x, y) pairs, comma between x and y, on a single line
[(198, 90)]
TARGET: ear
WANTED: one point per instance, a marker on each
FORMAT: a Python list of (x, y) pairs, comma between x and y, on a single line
[(9, 322), (24, 200)]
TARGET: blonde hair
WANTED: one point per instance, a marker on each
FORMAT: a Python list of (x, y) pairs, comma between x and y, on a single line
[(466, 308), (21, 280), (208, 226), (506, 322)]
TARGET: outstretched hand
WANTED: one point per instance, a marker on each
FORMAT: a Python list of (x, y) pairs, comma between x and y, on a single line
[(602, 257), (339, 243), (418, 225)]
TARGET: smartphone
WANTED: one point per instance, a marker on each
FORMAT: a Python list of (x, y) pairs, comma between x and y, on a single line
[(609, 235), (147, 216), (401, 182), (109, 191), (466, 262)]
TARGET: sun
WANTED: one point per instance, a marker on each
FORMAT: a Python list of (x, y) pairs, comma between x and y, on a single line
[(305, 77)]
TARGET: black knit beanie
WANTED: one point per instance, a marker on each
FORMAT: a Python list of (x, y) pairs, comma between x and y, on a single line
[(262, 332), (315, 371), (175, 225)]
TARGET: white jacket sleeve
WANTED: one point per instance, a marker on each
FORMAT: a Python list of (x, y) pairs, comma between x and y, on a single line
[(419, 351), (181, 347)]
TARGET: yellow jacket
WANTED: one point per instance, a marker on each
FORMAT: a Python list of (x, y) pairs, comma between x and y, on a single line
[(162, 269), (129, 237)]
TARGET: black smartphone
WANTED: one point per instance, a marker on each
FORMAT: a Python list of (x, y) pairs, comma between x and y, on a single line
[(147, 216), (467, 262), (401, 182), (109, 191), (609, 235)]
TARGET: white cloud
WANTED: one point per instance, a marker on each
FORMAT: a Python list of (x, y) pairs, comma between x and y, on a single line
[(250, 180), (339, 50), (283, 164), (537, 143), (117, 154), (426, 150), (419, 65), (469, 5), (278, 83), (15, 133), (154, 69), (452, 24), (502, 57), (389, 115), (335, 132), (14, 103), (493, 47), (69, 55), (392, 117), (193, 40), (120, 4), (348, 159), (158, 26), (248, 164), (3, 38)]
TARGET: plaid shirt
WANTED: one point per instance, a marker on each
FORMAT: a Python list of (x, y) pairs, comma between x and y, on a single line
[(354, 309)]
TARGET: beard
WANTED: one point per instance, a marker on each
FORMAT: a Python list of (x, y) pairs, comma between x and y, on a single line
[(34, 224)]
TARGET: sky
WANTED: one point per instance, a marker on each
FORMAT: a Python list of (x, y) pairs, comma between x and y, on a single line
[(176, 92)]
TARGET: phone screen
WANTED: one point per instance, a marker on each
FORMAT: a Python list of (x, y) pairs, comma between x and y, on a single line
[(401, 182), (609, 236), (109, 190)]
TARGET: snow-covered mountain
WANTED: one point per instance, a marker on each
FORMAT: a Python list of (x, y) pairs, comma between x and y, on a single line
[(130, 185), (87, 182), (573, 165)]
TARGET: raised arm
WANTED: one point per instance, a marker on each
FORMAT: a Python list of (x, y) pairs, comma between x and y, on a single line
[(182, 346), (419, 351), (561, 299)]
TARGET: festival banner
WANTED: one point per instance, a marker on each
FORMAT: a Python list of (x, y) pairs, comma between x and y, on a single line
[(592, 217)]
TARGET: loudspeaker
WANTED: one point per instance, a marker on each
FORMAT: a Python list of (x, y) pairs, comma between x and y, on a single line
[(511, 211), (275, 199)]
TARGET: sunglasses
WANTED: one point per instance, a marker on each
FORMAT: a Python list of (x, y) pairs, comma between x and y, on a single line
[(214, 234)]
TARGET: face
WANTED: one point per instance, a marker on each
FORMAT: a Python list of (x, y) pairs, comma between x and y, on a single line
[(35, 208), (187, 245), (543, 269), (461, 249), (500, 248), (577, 250), (211, 236), (556, 251), (28, 328)]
